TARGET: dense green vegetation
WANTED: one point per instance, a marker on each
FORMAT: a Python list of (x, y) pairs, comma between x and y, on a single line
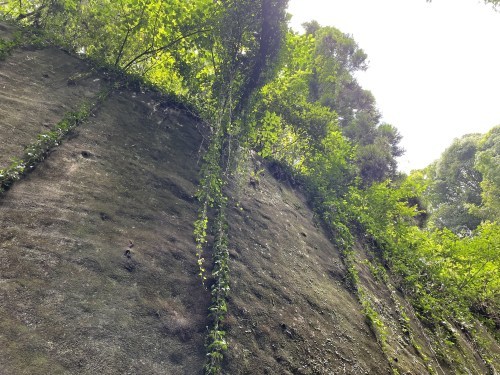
[(294, 99), (465, 181)]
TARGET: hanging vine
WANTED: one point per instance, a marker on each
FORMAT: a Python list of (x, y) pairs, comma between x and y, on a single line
[(242, 51)]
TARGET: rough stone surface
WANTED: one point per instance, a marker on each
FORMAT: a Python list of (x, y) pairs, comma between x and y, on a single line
[(98, 272)]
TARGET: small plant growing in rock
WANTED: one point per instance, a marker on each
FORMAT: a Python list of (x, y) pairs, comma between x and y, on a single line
[(37, 151)]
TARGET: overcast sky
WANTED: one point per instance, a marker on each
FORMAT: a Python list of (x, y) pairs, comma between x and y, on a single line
[(434, 68)]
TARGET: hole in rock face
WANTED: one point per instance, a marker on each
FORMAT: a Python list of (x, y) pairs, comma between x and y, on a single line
[(104, 216), (86, 154)]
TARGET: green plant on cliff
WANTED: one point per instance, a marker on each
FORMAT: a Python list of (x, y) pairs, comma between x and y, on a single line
[(241, 51), (38, 150), (302, 132), (5, 48), (295, 100), (446, 275), (214, 53)]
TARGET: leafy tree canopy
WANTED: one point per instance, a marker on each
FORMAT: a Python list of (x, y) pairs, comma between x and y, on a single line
[(294, 99), (487, 162), (464, 183)]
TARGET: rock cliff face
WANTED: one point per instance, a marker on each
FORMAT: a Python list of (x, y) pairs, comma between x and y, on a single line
[(98, 271)]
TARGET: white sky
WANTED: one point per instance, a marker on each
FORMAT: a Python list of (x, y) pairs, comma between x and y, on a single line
[(434, 68)]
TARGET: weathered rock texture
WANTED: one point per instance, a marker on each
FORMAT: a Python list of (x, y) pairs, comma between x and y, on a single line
[(98, 272)]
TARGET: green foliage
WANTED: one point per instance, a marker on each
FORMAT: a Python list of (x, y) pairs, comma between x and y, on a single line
[(336, 58), (373, 319), (216, 342), (464, 184), (471, 265), (487, 162), (455, 184), (19, 37), (5, 48), (446, 274), (295, 100), (293, 130), (147, 37)]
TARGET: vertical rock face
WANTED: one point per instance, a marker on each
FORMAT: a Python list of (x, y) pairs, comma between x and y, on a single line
[(291, 311), (37, 87), (98, 271), (97, 263)]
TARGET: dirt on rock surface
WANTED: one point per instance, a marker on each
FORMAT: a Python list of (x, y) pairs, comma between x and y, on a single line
[(97, 262), (98, 267), (37, 87), (291, 311)]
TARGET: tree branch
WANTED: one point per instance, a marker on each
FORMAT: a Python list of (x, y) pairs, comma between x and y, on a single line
[(153, 51), (129, 30)]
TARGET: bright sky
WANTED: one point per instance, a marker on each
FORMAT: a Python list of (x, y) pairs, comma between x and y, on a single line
[(434, 68)]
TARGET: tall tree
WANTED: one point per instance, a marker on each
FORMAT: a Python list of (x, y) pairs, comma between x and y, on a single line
[(487, 162), (337, 57), (455, 184)]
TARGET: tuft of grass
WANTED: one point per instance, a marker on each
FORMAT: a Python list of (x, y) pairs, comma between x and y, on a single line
[(6, 47)]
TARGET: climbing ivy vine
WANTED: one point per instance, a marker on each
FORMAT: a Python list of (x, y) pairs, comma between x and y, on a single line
[(295, 100)]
